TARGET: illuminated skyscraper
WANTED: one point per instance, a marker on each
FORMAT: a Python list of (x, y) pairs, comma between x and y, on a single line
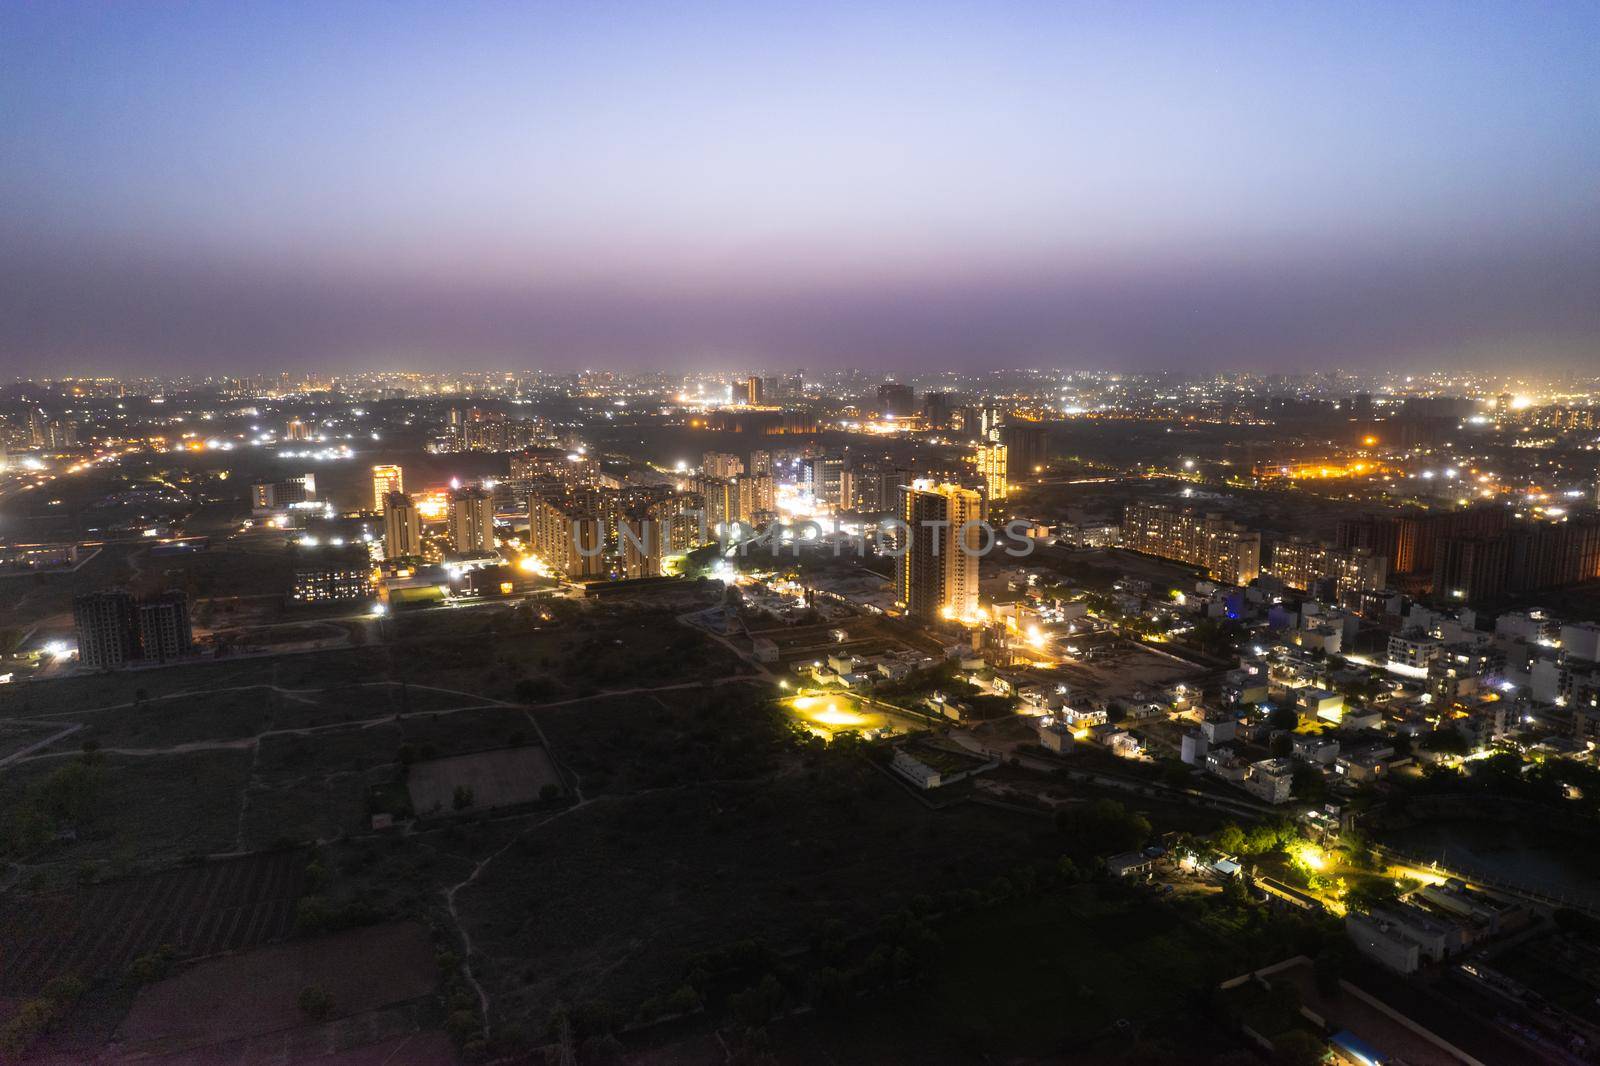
[(752, 390), (472, 521), (938, 571), (402, 529), (990, 460), (385, 479)]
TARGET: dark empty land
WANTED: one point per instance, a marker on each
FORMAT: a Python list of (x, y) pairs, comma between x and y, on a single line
[(95, 931)]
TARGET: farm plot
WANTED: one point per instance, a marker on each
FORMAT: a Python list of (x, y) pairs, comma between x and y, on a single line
[(230, 999), (499, 778), (97, 930)]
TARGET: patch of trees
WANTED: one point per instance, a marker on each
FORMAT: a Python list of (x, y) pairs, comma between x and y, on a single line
[(65, 799), (1104, 827), (37, 1016)]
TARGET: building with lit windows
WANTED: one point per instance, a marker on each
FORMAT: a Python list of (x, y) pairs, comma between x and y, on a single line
[(402, 527), (1228, 551), (721, 464), (938, 570), (990, 459), (332, 576), (568, 531), (386, 479), (472, 521), (1300, 563), (824, 478), (268, 496)]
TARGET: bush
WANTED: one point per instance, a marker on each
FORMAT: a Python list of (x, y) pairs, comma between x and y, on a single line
[(150, 967), (314, 1002)]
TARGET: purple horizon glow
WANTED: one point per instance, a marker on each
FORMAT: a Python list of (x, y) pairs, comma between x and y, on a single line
[(223, 186)]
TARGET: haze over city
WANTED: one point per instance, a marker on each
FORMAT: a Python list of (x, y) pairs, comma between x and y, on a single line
[(223, 186), (865, 534)]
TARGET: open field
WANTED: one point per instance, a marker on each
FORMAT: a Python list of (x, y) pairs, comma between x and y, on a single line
[(501, 778), (610, 899), (96, 930), (223, 1002), (621, 744)]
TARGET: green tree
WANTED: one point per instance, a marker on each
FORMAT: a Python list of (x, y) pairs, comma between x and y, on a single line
[(315, 1003)]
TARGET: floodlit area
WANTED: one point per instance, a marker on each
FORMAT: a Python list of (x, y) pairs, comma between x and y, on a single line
[(825, 714)]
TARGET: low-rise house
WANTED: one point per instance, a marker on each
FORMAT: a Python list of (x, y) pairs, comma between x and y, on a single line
[(1057, 736), (1219, 727), (1379, 940), (1271, 780), (1321, 703), (1311, 748), (1130, 864), (1223, 763)]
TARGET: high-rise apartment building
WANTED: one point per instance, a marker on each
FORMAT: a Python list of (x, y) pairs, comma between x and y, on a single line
[(386, 479), (568, 531), (938, 570), (108, 628), (757, 498), (824, 478), (402, 528), (896, 399), (721, 464), (114, 627), (1026, 450), (472, 521), (1299, 563), (164, 630), (990, 459), (658, 531), (753, 390), (1228, 551)]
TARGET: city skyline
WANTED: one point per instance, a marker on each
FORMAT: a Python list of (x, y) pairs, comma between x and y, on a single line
[(213, 188)]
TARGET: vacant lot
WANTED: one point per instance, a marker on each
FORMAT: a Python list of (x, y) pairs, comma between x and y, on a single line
[(608, 900), (500, 778), (675, 738), (1126, 672), (95, 931), (224, 1001)]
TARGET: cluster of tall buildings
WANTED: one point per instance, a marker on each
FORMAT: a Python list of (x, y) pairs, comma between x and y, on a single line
[(469, 516), (489, 431), (115, 627), (1226, 550), (1481, 552)]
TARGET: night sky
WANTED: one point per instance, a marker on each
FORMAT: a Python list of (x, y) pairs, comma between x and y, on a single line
[(236, 186)]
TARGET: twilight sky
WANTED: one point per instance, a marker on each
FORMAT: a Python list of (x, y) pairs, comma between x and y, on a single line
[(226, 186)]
